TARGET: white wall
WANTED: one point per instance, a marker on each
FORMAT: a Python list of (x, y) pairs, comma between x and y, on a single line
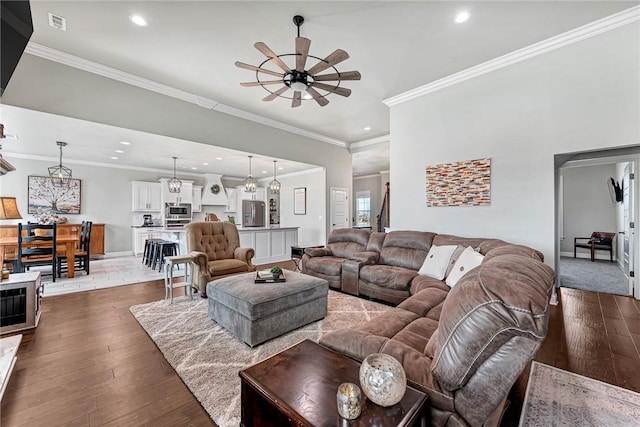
[(587, 204), (312, 225), (580, 97)]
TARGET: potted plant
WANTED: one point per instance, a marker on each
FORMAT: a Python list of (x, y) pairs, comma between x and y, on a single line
[(276, 271)]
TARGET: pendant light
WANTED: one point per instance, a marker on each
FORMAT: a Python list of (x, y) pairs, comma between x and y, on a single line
[(250, 184), (274, 186), (60, 175), (174, 183)]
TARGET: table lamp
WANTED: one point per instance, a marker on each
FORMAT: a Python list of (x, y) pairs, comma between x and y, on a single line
[(9, 208)]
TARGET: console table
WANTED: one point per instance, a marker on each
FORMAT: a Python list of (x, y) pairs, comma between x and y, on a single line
[(297, 387)]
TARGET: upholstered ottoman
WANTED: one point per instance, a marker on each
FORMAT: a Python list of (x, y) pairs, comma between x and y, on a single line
[(258, 312)]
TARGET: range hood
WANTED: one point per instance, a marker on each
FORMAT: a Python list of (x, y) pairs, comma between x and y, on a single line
[(213, 192)]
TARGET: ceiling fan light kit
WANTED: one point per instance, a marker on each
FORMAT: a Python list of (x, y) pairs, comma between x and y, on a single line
[(298, 79)]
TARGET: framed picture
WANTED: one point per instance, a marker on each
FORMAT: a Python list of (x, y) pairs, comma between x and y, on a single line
[(44, 196), (300, 201)]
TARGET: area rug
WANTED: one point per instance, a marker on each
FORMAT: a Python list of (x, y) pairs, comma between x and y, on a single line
[(208, 358), (559, 398), (597, 276)]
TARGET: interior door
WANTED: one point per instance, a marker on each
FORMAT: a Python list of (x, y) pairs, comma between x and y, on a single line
[(339, 208), (629, 232)]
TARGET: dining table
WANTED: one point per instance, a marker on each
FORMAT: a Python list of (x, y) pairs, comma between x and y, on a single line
[(69, 242)]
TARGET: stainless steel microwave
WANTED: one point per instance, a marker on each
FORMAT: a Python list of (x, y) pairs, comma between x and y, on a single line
[(182, 210)]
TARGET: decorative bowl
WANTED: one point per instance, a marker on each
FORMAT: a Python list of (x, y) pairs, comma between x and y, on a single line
[(382, 379)]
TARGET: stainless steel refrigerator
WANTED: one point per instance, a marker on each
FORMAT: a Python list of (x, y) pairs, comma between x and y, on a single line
[(253, 213)]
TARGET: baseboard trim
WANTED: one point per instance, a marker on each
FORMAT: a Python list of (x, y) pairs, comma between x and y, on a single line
[(117, 254), (600, 256)]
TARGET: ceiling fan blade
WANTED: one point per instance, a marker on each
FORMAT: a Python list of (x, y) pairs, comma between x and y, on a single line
[(342, 91), (269, 54), (260, 70), (336, 57), (275, 94), (297, 99), (268, 82), (319, 98), (302, 50), (347, 75)]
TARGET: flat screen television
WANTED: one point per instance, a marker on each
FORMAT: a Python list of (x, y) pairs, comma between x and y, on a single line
[(16, 28)]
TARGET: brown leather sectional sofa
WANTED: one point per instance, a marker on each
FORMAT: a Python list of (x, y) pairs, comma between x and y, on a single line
[(463, 346)]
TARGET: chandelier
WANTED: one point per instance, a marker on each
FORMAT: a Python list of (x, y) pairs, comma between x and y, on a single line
[(60, 175), (250, 184), (174, 183), (274, 186)]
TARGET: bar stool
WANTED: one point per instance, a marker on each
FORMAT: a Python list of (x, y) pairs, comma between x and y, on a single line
[(169, 285), (146, 254), (163, 248)]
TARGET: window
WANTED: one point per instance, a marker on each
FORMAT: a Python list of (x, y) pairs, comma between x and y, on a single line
[(363, 208)]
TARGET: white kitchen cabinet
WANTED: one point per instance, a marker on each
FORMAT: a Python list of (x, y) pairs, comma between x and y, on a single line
[(259, 194), (270, 244), (196, 204), (145, 196), (232, 200), (184, 196), (140, 236)]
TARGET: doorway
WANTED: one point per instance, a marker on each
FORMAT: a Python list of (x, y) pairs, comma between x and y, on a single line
[(588, 202)]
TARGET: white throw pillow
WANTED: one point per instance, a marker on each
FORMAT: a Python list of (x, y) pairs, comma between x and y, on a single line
[(469, 259), (437, 260)]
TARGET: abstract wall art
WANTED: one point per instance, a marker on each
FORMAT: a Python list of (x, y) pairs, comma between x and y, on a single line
[(466, 183), (43, 196)]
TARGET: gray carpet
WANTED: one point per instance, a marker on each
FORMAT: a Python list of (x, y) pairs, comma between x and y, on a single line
[(559, 398), (208, 358), (598, 276)]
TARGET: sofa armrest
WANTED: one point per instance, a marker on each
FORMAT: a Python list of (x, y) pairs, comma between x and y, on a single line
[(318, 252), (244, 254), (367, 257), (200, 259), (201, 272)]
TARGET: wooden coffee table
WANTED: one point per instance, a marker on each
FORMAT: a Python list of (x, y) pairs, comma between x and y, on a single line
[(298, 386)]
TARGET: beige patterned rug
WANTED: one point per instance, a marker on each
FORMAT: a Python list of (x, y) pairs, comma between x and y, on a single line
[(208, 358), (559, 398)]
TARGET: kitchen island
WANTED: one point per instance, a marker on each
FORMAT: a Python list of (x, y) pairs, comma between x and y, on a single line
[(272, 244)]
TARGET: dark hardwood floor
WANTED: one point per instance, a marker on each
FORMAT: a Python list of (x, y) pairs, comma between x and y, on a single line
[(89, 363)]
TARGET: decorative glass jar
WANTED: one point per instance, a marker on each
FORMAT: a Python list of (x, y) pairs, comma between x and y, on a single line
[(382, 379)]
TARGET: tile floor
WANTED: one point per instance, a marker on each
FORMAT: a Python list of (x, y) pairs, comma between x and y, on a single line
[(105, 273)]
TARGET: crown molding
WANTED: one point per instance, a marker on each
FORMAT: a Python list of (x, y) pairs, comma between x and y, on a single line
[(55, 55), (592, 29), (368, 142), (99, 164), (266, 180)]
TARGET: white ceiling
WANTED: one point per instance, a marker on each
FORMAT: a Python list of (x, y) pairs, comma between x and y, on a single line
[(396, 46)]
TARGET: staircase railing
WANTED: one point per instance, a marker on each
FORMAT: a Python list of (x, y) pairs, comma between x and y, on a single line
[(383, 217)]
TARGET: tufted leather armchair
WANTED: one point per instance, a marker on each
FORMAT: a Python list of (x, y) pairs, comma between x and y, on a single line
[(215, 248)]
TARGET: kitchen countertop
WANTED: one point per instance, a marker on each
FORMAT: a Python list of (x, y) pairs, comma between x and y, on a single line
[(277, 227)]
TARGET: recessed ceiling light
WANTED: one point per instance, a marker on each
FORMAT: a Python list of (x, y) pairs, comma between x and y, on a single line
[(125, 143), (280, 168), (461, 17), (264, 171), (114, 158), (193, 167), (138, 20), (206, 164), (367, 128), (119, 151), (218, 158)]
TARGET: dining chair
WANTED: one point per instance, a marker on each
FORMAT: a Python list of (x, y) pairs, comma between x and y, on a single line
[(37, 247), (81, 257)]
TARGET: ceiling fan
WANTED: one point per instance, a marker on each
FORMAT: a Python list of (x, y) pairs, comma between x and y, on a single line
[(299, 79)]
